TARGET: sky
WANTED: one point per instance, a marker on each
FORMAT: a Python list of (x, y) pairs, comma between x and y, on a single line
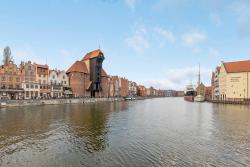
[(152, 42)]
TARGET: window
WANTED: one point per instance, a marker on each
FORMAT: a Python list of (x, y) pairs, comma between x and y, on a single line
[(27, 85), (18, 86), (10, 86), (53, 76), (63, 77), (27, 94), (32, 86), (17, 79), (64, 82), (36, 86), (44, 81), (3, 78)]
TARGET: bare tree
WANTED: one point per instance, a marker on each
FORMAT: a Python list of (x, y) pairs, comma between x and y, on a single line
[(7, 58)]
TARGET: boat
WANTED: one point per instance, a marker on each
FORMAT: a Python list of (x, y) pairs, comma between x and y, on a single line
[(199, 98), (189, 93)]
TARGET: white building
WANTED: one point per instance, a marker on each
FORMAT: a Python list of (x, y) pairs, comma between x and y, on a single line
[(59, 83), (56, 88), (132, 88)]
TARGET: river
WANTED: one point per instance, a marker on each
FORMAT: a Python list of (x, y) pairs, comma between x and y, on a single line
[(152, 132)]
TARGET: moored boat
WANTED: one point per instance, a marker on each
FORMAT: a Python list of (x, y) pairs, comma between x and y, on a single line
[(189, 93), (199, 98)]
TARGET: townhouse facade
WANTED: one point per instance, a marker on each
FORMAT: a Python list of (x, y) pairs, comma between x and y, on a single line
[(29, 83), (42, 77), (132, 89), (215, 84), (11, 81)]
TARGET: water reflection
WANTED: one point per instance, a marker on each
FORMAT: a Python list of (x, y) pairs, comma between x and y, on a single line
[(154, 132)]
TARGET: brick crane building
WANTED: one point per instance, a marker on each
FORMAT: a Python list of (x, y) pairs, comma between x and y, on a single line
[(87, 77)]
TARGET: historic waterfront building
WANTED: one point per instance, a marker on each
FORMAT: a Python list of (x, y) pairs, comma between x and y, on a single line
[(141, 91), (42, 77), (56, 84), (132, 89), (215, 84), (10, 81), (29, 83), (87, 77), (124, 87), (234, 80), (115, 84)]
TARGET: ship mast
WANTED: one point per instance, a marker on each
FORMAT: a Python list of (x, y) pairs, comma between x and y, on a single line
[(199, 76)]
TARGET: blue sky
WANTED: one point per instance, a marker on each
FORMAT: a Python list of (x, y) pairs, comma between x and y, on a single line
[(153, 42)]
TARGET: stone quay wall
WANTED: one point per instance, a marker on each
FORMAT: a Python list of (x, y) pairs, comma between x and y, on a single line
[(16, 103)]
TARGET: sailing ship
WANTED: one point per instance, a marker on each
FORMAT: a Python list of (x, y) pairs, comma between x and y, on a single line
[(200, 96)]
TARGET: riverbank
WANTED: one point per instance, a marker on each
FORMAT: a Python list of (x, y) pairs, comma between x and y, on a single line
[(242, 102), (36, 102), (17, 103)]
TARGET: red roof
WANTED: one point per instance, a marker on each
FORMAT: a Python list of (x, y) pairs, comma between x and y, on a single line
[(238, 66), (92, 54), (78, 66)]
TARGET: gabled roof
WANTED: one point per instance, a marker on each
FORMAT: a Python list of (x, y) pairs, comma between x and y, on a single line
[(78, 66), (92, 54), (238, 66)]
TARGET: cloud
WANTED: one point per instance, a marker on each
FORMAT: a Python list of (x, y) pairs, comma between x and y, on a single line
[(241, 9), (131, 4), (178, 78), (215, 19), (138, 41), (213, 52), (65, 53), (193, 38), (166, 35)]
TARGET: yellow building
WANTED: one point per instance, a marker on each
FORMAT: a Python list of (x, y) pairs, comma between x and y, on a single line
[(234, 80)]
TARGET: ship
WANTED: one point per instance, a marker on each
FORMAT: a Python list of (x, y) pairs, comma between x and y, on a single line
[(189, 93), (200, 97)]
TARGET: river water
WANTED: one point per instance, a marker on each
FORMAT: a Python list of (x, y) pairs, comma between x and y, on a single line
[(153, 132)]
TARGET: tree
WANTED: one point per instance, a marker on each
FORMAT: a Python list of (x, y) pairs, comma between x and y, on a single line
[(7, 58)]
